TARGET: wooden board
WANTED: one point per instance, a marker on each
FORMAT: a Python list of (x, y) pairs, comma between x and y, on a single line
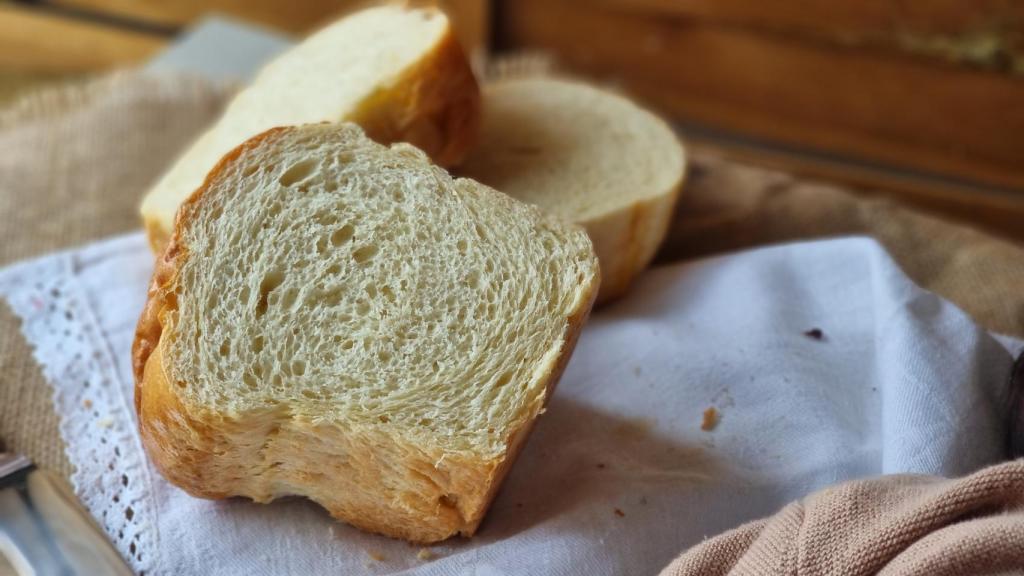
[(470, 17), (998, 213), (296, 17), (41, 42), (835, 19), (898, 109)]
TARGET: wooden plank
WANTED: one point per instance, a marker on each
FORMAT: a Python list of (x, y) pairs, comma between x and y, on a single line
[(470, 17), (984, 33), (996, 212), (42, 43), (293, 17), (863, 17), (896, 110)]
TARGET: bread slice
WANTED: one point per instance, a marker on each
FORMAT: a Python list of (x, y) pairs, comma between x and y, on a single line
[(586, 155), (398, 72), (343, 321)]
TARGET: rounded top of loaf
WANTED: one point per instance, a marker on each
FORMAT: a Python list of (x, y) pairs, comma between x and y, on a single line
[(573, 149)]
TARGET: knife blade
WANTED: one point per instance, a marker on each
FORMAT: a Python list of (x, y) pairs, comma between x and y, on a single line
[(44, 530)]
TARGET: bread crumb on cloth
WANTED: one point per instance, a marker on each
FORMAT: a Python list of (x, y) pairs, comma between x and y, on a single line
[(710, 420), (376, 556), (815, 334), (425, 554)]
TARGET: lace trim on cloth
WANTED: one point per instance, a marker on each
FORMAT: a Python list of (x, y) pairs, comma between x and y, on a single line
[(111, 477)]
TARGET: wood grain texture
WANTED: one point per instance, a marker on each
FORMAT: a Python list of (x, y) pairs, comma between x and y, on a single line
[(471, 17), (41, 42), (860, 17), (995, 212), (295, 17), (897, 109)]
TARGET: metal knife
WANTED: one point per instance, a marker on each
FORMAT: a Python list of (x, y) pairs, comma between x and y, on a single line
[(44, 530)]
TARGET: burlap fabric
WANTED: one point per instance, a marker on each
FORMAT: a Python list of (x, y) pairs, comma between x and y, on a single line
[(894, 526), (74, 163)]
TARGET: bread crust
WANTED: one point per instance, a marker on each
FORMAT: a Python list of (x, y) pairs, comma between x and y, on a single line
[(627, 240), (434, 105), (216, 455)]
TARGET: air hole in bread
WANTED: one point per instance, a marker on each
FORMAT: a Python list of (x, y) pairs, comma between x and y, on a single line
[(332, 298), (362, 308), (364, 254), (290, 297), (448, 500), (503, 379), (342, 235), (271, 281), (298, 172), (250, 381)]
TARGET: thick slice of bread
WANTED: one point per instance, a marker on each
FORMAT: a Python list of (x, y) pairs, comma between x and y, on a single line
[(343, 321), (586, 155), (398, 72)]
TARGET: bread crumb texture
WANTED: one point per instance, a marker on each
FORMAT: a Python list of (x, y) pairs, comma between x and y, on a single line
[(345, 321)]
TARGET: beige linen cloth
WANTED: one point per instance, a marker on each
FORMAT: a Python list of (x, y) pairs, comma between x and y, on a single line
[(75, 161)]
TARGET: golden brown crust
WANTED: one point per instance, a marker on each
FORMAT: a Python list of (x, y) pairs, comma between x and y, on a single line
[(210, 455), (627, 240), (434, 106)]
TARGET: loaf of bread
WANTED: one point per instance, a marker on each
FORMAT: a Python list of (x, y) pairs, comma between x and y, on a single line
[(398, 72), (344, 321), (587, 155)]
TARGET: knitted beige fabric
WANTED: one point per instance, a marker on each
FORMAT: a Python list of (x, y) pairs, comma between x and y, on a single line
[(893, 526)]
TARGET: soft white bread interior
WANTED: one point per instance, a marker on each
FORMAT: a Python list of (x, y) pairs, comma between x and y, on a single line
[(587, 155), (343, 321), (398, 72)]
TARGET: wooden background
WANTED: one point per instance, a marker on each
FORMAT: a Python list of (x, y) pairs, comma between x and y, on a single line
[(921, 101)]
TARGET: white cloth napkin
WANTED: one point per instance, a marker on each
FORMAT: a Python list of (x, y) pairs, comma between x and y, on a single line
[(618, 476)]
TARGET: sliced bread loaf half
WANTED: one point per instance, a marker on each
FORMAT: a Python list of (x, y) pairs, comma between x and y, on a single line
[(343, 321), (586, 155), (398, 72)]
